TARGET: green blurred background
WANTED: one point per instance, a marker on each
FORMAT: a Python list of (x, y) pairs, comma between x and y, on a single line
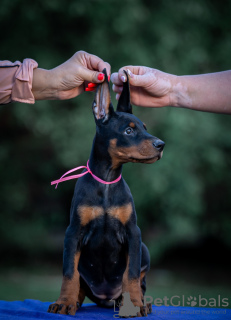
[(183, 202)]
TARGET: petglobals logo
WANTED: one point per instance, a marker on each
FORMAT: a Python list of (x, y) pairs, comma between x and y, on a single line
[(126, 308), (191, 301)]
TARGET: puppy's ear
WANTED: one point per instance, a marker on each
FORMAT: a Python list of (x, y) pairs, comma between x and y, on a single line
[(124, 104), (102, 106)]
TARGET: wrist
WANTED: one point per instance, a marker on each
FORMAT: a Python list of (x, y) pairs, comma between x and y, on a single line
[(43, 85), (175, 92), (180, 94)]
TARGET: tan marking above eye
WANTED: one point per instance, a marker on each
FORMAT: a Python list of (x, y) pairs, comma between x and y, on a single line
[(132, 125), (122, 213), (145, 127), (88, 213), (113, 142)]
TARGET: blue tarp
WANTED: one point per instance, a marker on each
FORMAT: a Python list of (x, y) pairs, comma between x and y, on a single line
[(34, 309)]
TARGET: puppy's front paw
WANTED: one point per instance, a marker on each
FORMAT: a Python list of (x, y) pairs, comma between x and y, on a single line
[(143, 312), (149, 308), (64, 307)]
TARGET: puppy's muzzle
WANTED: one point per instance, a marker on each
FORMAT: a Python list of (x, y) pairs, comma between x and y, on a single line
[(159, 144)]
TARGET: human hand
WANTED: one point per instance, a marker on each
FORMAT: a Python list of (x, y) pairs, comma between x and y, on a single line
[(148, 87), (69, 79)]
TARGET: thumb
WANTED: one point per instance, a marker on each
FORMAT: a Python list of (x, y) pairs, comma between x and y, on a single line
[(138, 80), (91, 76)]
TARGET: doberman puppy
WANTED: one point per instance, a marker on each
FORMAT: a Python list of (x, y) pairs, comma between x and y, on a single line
[(103, 254)]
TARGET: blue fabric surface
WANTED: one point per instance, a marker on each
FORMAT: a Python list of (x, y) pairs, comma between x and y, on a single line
[(34, 309)]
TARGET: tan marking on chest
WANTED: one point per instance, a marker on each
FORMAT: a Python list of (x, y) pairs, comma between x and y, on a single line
[(122, 213), (88, 213)]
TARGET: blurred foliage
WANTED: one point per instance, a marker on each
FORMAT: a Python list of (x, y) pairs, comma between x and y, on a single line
[(182, 198), (44, 285)]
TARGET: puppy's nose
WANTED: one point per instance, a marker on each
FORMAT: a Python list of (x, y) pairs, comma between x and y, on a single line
[(159, 144)]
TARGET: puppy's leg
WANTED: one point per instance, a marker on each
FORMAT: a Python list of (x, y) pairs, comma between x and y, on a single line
[(67, 302), (81, 297), (131, 279), (145, 266)]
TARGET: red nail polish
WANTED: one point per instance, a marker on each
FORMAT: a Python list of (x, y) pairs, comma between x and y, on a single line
[(92, 85), (89, 89), (109, 77), (100, 76)]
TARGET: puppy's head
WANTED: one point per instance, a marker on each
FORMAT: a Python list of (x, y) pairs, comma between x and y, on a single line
[(124, 135)]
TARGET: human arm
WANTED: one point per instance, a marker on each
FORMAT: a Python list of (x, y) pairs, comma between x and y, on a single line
[(154, 88), (25, 82), (69, 79)]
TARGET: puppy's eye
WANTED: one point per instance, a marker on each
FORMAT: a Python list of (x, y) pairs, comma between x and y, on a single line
[(128, 130)]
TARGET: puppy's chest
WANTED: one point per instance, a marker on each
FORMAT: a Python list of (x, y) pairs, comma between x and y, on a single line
[(98, 213)]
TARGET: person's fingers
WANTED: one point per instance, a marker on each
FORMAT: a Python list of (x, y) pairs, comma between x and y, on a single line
[(96, 63), (117, 89), (115, 79), (90, 75), (133, 69), (92, 85), (90, 89), (90, 67), (136, 80), (103, 65), (91, 61), (117, 96)]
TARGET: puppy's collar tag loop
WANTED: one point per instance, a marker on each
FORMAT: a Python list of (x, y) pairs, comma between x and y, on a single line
[(76, 176)]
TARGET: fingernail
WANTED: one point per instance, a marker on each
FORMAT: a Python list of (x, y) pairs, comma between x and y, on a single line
[(89, 89), (123, 79), (100, 76), (130, 73), (91, 85), (109, 77)]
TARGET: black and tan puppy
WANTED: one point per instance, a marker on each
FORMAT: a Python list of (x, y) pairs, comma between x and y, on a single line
[(104, 256)]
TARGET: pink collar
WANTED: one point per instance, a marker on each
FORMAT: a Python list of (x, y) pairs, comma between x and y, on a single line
[(76, 176)]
